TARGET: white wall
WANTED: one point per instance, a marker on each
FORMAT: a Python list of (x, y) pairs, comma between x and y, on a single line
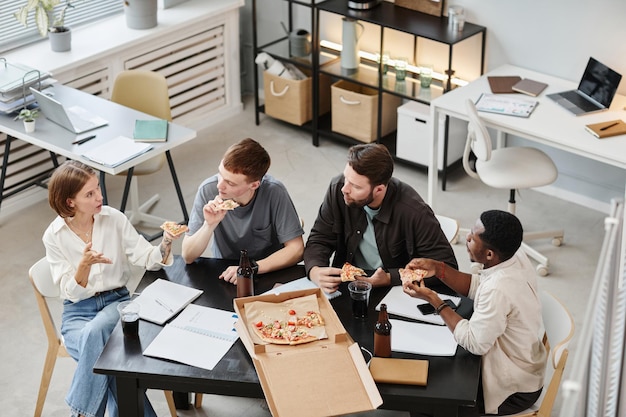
[(555, 37)]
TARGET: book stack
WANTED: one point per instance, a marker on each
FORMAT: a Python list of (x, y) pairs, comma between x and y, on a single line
[(15, 81)]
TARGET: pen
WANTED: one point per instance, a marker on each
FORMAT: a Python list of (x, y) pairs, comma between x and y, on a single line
[(162, 304), (83, 140), (611, 125)]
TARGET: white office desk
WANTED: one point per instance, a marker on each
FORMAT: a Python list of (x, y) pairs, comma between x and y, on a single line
[(549, 123), (58, 140)]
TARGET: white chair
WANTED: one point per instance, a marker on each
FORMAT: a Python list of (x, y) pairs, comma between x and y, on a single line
[(510, 168), (449, 226), (147, 92), (45, 289), (559, 327)]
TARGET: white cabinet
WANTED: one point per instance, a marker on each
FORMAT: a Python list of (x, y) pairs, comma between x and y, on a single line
[(412, 140)]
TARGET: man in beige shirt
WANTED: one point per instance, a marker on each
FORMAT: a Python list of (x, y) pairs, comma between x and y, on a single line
[(506, 326)]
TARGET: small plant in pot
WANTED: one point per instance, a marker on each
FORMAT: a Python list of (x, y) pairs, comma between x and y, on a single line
[(28, 116), (47, 22)]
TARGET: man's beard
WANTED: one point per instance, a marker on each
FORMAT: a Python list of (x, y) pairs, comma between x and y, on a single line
[(360, 203)]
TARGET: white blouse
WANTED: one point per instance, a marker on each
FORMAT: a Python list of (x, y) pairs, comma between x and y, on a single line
[(116, 238)]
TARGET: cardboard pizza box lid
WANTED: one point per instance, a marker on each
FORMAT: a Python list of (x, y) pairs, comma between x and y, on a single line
[(310, 379)]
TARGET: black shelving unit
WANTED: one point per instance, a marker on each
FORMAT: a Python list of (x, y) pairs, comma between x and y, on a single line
[(386, 16)]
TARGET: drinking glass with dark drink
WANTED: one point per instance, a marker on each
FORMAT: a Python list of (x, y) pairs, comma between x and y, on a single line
[(359, 294), (129, 315)]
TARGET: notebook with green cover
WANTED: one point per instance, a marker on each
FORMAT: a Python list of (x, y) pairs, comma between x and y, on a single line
[(150, 130)]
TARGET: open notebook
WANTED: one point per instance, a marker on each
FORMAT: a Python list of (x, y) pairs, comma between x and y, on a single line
[(163, 299)]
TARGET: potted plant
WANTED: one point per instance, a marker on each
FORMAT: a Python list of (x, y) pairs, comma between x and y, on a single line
[(47, 22), (28, 116)]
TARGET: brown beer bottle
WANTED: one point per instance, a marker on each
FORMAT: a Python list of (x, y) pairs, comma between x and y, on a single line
[(382, 334), (245, 284)]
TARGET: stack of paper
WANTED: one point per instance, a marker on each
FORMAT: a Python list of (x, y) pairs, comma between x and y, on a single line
[(150, 130), (117, 151), (421, 339)]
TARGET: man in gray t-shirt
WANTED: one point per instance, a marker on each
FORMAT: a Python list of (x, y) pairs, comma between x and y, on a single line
[(266, 223)]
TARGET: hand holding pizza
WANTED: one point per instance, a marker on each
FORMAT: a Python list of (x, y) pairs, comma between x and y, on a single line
[(327, 278), (173, 230), (425, 267), (215, 210)]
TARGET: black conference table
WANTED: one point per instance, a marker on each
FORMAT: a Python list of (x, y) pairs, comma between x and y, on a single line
[(452, 380)]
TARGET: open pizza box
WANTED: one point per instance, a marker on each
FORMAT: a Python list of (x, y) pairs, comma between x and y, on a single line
[(326, 377)]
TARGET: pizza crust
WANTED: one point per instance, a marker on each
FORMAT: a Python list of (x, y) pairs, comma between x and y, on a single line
[(174, 228), (226, 205)]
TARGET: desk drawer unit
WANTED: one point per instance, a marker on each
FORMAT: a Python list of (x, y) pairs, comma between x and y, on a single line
[(413, 131)]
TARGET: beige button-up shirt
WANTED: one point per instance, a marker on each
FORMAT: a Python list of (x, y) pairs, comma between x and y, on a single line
[(506, 329)]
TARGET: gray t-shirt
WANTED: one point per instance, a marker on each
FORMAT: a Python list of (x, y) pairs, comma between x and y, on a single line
[(261, 227)]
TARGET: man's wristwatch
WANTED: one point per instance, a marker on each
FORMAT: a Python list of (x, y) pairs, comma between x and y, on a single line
[(255, 266)]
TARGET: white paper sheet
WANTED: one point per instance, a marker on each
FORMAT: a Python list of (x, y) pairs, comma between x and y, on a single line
[(401, 304), (421, 339)]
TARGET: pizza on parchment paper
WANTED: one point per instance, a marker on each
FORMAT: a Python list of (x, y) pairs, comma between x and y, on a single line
[(292, 322), (350, 272)]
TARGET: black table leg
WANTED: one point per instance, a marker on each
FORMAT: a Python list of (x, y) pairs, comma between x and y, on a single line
[(129, 397), (179, 192), (182, 400)]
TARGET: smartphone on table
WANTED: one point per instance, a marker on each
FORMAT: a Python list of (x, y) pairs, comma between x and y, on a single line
[(427, 309)]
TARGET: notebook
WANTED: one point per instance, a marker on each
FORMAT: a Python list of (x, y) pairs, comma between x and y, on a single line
[(503, 84), (595, 92), (529, 87), (399, 371), (607, 129), (75, 119), (150, 130), (200, 336), (163, 299)]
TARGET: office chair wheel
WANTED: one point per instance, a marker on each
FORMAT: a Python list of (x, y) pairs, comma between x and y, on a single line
[(557, 241), (542, 270)]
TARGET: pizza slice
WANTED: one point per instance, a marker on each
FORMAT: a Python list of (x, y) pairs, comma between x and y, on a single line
[(174, 228), (412, 275), (226, 205), (349, 272), (292, 331)]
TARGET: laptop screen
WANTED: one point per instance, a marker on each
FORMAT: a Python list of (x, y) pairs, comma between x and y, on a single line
[(599, 82)]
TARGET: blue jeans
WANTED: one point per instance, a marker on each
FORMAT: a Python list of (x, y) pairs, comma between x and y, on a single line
[(86, 327)]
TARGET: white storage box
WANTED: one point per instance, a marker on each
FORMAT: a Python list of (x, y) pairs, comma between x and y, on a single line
[(413, 130)]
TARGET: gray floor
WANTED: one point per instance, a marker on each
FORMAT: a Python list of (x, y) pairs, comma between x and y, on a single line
[(306, 171)]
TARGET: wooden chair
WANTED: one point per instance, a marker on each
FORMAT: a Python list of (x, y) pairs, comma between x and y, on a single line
[(510, 168), (44, 289), (145, 91), (559, 327)]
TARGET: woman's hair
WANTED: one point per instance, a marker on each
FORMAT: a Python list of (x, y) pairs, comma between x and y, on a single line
[(373, 161), (247, 157), (503, 232), (65, 183)]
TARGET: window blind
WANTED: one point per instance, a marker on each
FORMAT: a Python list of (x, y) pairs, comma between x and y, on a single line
[(14, 35)]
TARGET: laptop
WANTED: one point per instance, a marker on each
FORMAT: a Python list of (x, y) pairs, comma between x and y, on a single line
[(75, 118), (595, 91)]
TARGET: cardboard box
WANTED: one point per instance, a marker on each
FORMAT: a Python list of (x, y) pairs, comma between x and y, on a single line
[(291, 100), (412, 142), (355, 111), (327, 377)]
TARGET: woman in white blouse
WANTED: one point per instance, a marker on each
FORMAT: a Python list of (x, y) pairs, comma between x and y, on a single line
[(92, 250)]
